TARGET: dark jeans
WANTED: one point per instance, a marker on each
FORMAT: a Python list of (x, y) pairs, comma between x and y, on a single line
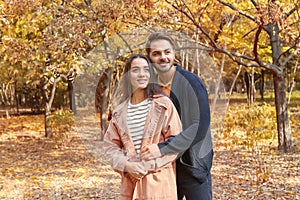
[(192, 188)]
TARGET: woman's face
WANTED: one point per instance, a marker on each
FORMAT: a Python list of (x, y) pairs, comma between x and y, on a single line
[(139, 74)]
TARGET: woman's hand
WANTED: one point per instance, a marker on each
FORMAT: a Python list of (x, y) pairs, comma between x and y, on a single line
[(135, 170), (135, 177)]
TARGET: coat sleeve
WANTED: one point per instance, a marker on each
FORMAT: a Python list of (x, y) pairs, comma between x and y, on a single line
[(171, 127), (195, 115), (113, 148)]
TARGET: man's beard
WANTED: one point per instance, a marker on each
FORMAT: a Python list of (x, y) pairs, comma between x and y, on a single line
[(164, 70)]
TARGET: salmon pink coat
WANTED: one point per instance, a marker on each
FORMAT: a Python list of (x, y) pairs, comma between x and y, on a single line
[(162, 123)]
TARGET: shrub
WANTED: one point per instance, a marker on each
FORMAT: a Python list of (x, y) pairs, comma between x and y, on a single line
[(257, 122), (252, 128), (61, 123)]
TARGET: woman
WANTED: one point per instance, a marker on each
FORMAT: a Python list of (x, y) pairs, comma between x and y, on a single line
[(146, 116)]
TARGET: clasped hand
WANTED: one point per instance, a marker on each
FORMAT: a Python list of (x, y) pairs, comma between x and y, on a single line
[(135, 170)]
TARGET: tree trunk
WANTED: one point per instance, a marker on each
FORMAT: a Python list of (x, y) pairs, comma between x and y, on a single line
[(283, 125), (247, 81), (48, 130), (71, 96), (292, 84), (233, 84), (252, 87), (70, 79), (16, 98), (262, 85), (102, 98), (49, 101), (5, 99), (217, 88)]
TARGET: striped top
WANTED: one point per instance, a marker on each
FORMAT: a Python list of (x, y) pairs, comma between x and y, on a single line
[(136, 118)]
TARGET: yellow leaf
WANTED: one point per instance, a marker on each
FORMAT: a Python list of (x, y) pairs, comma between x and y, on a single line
[(33, 178)]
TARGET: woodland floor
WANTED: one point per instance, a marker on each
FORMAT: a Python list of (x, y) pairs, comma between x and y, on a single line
[(33, 167)]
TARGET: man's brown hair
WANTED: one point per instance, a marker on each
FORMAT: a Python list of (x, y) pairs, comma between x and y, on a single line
[(158, 36)]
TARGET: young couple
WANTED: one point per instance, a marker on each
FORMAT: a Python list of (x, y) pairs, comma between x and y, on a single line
[(163, 118)]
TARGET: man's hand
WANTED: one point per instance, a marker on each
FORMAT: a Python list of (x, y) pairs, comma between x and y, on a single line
[(150, 152)]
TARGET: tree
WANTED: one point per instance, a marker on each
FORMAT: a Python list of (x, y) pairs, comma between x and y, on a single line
[(271, 27), (44, 41)]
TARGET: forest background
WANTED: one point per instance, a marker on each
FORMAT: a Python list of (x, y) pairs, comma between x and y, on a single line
[(61, 61)]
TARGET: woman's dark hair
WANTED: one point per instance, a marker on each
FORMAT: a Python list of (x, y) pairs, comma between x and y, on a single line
[(152, 87)]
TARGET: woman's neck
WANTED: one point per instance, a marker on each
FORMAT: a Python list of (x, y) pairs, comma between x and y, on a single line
[(138, 96)]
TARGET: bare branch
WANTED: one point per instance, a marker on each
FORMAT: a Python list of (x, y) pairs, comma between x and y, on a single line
[(292, 54), (255, 51), (189, 10), (295, 46), (79, 12), (240, 59), (236, 58), (249, 32), (254, 3), (239, 11), (197, 24), (297, 6), (123, 39)]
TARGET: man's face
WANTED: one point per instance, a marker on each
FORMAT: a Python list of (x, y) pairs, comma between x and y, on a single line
[(162, 55)]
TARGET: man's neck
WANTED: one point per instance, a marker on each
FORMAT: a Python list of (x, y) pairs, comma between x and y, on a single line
[(166, 77)]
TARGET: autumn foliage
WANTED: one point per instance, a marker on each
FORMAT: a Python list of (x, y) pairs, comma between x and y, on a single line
[(47, 46)]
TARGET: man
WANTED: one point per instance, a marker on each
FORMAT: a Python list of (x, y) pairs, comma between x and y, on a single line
[(194, 143)]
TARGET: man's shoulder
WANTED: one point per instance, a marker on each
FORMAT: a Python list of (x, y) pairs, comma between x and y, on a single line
[(188, 75), (185, 72), (189, 80)]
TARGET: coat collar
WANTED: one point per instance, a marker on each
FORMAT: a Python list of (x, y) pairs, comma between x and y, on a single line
[(120, 109)]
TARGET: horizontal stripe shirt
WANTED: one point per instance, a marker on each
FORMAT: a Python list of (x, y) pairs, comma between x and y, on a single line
[(136, 118)]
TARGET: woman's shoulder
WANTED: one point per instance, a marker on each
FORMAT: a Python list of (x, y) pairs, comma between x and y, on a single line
[(162, 100), (119, 108)]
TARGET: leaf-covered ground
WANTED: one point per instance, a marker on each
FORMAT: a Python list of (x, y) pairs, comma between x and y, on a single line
[(33, 167)]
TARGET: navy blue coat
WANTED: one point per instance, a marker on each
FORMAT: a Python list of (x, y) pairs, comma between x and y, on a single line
[(194, 143)]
